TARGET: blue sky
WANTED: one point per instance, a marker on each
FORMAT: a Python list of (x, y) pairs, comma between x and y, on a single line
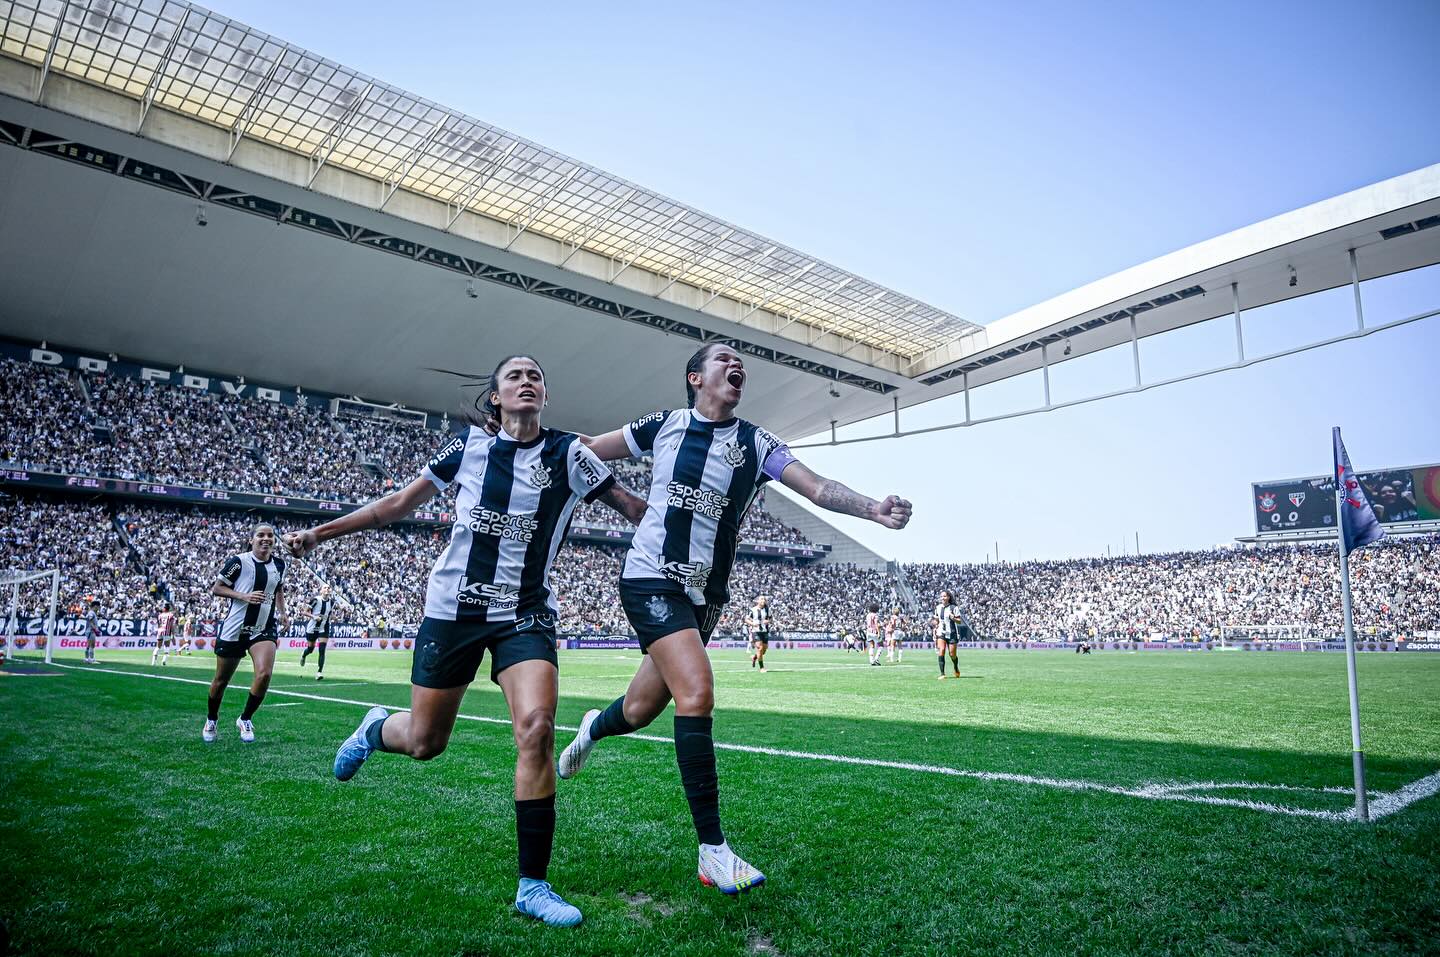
[(984, 159)]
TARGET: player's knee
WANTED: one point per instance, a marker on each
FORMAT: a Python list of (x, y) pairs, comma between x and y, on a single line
[(535, 733), (423, 749), (695, 701)]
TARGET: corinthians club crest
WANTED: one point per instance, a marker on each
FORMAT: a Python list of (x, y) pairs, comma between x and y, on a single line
[(658, 608), (540, 477), (1267, 502), (734, 454)]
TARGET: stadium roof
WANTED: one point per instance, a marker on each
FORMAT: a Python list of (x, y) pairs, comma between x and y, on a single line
[(129, 115), (202, 65)]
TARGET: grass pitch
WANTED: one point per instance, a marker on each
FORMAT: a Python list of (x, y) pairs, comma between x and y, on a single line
[(124, 834)]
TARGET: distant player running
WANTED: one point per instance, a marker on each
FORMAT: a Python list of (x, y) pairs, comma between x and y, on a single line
[(950, 628), (253, 582), (490, 591), (892, 645), (164, 635), (760, 631), (708, 468), (317, 629)]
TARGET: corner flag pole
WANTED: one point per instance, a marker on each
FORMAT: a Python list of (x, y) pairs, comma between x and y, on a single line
[(1362, 808), (1355, 527)]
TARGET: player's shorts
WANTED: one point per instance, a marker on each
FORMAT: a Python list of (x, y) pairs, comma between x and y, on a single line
[(241, 644), (314, 636), (448, 653), (657, 607), (762, 637)]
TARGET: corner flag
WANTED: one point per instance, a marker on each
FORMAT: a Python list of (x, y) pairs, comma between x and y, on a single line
[(1358, 528), (1358, 525)]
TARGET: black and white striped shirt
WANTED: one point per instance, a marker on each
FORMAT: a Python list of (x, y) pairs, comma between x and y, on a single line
[(244, 574), (321, 611), (705, 478), (511, 515), (760, 620)]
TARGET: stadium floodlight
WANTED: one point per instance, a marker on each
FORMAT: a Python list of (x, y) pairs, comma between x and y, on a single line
[(13, 578)]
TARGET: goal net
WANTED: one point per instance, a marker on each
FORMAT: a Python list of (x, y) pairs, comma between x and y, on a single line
[(31, 600), (1242, 634)]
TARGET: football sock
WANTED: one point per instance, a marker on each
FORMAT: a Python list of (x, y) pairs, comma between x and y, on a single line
[(695, 754), (306, 654), (213, 708), (535, 835), (375, 736), (942, 664), (955, 665), (611, 721), (252, 704), (321, 648)]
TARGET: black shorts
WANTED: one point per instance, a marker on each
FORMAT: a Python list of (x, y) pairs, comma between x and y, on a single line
[(762, 637), (448, 653), (657, 608), (241, 644), (313, 636)]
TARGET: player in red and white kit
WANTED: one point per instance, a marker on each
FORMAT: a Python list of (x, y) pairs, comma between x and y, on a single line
[(164, 635), (872, 633)]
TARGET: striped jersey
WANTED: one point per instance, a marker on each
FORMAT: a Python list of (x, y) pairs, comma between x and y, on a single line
[(948, 619), (512, 511), (244, 574), (166, 622), (760, 619), (321, 611), (706, 475)]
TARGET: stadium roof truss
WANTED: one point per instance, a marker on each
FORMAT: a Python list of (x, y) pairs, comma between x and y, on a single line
[(199, 64), (252, 123)]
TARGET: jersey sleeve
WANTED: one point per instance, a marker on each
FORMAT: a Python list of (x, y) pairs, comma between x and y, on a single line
[(590, 478), (640, 434), (442, 469), (229, 572), (773, 455)]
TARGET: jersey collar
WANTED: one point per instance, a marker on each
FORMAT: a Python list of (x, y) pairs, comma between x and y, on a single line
[(504, 436), (699, 419)]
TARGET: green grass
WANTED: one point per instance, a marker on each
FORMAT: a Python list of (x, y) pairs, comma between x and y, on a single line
[(124, 834)]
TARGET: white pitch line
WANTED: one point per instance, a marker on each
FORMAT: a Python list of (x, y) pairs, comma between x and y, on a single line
[(288, 704), (1383, 804)]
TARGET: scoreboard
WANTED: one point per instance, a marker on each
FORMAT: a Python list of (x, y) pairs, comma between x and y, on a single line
[(1398, 496)]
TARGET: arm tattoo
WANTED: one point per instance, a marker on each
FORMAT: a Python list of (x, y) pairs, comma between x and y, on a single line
[(626, 503), (838, 498)]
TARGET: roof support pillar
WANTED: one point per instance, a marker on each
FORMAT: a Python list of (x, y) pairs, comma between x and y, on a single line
[(50, 52), (965, 384), (1239, 330), (1355, 284), (1045, 369), (1135, 349)]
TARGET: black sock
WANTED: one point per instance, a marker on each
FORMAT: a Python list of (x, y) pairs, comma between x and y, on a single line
[(955, 664), (375, 736), (306, 654), (611, 721), (942, 664), (252, 704), (322, 657), (695, 753), (214, 704), (535, 835)]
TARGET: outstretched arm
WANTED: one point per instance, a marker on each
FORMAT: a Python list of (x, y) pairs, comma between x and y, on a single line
[(892, 511), (376, 514), (608, 447), (626, 502)]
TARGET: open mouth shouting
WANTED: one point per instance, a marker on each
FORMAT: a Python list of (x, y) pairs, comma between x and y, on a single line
[(736, 378)]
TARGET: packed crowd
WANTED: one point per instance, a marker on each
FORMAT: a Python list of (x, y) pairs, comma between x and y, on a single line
[(147, 431), (1203, 595), (381, 576)]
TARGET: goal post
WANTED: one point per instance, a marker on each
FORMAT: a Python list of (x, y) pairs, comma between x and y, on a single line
[(11, 582)]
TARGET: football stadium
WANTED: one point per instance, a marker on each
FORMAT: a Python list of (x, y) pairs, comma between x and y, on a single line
[(322, 401)]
